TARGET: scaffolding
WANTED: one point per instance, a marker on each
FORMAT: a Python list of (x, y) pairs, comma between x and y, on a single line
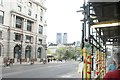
[(100, 28)]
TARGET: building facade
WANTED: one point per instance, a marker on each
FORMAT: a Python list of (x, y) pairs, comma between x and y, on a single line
[(65, 38), (53, 47), (22, 29), (59, 38)]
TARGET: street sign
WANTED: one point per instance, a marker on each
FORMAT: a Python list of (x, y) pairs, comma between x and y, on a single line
[(88, 47)]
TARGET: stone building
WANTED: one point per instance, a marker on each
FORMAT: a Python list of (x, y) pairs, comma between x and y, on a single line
[(22, 29), (53, 47)]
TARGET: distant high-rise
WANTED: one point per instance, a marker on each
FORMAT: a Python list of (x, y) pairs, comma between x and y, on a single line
[(59, 38), (77, 43), (64, 38)]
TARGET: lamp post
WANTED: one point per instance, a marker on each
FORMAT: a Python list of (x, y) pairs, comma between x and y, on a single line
[(46, 53), (21, 53)]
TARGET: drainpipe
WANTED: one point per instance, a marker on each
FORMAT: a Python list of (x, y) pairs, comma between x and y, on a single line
[(36, 47), (8, 52)]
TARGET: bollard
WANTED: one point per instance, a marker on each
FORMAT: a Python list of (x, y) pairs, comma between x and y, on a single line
[(84, 64), (97, 65), (88, 65)]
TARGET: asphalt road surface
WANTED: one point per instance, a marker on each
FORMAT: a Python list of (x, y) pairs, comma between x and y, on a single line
[(51, 70)]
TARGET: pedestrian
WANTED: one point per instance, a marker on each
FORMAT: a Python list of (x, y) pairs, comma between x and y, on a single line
[(111, 66), (31, 60), (80, 67), (115, 74), (8, 62), (48, 60), (5, 61), (54, 59)]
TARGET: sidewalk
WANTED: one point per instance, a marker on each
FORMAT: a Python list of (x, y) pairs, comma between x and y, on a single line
[(28, 63), (22, 64)]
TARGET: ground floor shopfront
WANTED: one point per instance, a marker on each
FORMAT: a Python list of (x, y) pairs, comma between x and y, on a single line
[(24, 52)]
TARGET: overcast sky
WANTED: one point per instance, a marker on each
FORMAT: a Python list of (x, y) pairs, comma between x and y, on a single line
[(62, 17)]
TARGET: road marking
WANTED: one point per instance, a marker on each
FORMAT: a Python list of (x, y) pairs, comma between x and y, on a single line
[(66, 76)]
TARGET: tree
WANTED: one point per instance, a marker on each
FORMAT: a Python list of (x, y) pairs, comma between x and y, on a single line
[(60, 52), (68, 52), (49, 51)]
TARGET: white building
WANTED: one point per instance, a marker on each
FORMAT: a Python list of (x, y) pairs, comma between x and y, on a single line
[(22, 29), (53, 47)]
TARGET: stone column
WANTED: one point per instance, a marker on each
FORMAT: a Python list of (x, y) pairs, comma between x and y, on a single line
[(14, 20)]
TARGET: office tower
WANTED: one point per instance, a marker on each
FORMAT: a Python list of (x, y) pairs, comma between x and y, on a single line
[(59, 38), (64, 38)]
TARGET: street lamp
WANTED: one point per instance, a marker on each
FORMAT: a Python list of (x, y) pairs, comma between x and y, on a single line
[(21, 53)]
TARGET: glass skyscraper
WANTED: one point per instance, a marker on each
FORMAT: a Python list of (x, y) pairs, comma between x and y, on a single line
[(59, 38), (64, 38)]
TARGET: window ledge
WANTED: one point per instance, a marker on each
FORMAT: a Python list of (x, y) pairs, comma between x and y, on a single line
[(27, 42), (39, 44), (16, 40)]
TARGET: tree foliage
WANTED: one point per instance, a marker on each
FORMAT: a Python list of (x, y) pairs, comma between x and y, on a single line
[(49, 51), (68, 52)]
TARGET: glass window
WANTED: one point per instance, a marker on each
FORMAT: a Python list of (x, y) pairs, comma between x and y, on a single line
[(0, 34), (35, 15), (19, 8), (18, 36), (19, 22), (29, 25), (29, 12), (1, 2), (41, 18), (29, 4), (40, 29), (40, 41), (1, 17), (41, 10), (28, 38)]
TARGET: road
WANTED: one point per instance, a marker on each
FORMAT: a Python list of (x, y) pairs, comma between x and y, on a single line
[(51, 70)]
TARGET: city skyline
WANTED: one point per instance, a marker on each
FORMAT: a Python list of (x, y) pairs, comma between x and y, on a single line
[(61, 38)]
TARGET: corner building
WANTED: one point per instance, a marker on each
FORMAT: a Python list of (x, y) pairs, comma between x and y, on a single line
[(22, 29)]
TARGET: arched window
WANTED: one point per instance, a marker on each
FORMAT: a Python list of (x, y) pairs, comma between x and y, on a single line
[(28, 51), (17, 51), (39, 52)]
